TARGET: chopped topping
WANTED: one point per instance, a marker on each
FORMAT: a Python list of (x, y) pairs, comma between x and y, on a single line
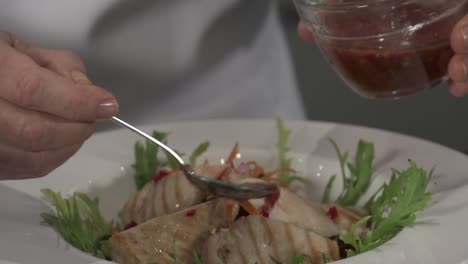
[(233, 154), (130, 225), (242, 213), (242, 168), (256, 169), (191, 213), (270, 202), (332, 213), (264, 211), (224, 175), (248, 206), (159, 175), (268, 176), (229, 210)]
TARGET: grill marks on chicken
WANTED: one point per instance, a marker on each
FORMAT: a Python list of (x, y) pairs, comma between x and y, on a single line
[(172, 209), (154, 240), (256, 239), (169, 194)]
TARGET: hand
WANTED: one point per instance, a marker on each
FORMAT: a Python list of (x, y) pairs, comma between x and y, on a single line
[(458, 67), (304, 33), (48, 108)]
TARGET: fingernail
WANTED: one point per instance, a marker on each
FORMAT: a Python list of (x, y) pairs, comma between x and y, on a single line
[(79, 77), (464, 34), (107, 109), (465, 68)]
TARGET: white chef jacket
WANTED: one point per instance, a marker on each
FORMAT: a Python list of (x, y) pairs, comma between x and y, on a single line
[(171, 60)]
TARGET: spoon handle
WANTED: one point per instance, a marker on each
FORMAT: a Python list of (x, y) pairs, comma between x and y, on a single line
[(150, 138)]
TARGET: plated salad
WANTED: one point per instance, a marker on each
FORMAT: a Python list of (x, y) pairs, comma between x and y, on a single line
[(168, 220)]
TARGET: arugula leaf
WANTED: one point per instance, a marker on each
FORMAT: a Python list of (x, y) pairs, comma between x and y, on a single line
[(78, 220), (275, 261), (395, 207), (357, 183), (283, 161), (146, 161), (196, 258), (355, 241), (173, 254), (171, 161), (326, 258), (199, 150), (326, 193), (392, 208), (296, 259)]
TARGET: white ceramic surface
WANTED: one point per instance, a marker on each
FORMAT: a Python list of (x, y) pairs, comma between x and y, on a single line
[(101, 168)]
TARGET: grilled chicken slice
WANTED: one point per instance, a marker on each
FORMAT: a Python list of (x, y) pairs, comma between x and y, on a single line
[(345, 217), (256, 239), (153, 240), (291, 208), (167, 195)]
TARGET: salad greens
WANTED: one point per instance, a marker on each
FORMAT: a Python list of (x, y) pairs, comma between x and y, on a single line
[(358, 181), (392, 208), (147, 162), (283, 161), (78, 219), (199, 150)]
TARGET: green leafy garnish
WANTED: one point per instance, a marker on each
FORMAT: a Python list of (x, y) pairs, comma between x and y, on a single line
[(296, 259), (326, 193), (196, 258), (392, 208), (146, 161), (326, 258), (359, 246), (199, 150), (78, 220), (283, 160), (357, 182)]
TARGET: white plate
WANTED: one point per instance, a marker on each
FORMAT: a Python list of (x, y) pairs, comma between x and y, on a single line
[(99, 168)]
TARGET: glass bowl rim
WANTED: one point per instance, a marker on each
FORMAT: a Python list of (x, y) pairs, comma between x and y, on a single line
[(354, 4)]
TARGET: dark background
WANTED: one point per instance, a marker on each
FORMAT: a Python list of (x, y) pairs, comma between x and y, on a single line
[(434, 115)]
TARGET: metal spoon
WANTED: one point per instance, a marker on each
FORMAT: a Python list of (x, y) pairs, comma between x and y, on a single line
[(240, 192)]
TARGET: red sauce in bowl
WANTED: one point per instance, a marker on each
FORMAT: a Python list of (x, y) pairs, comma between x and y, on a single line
[(389, 55), (383, 74)]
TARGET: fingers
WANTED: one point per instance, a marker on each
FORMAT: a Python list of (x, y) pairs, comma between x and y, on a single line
[(16, 164), (47, 108), (36, 131), (63, 62), (459, 37), (304, 33), (458, 66), (26, 84), (458, 89)]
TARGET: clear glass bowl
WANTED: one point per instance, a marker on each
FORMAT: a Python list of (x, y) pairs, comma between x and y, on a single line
[(385, 48)]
